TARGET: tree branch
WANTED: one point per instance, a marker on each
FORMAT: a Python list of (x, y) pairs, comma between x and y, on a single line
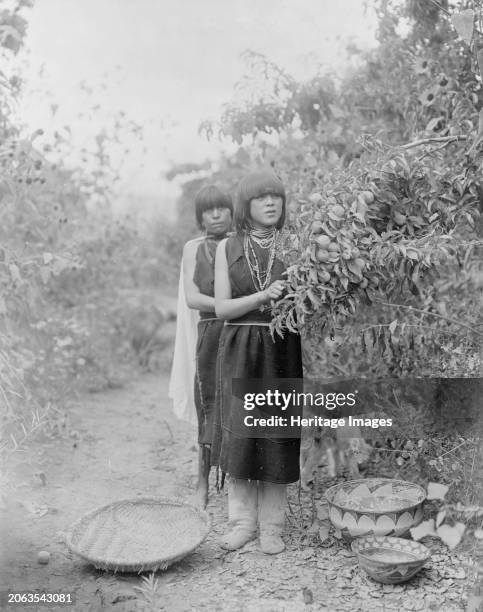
[(434, 329), (441, 8), (431, 151), (431, 139), (433, 314)]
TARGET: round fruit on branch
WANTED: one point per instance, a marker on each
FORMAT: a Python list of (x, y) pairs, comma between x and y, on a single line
[(367, 196), (316, 227), (337, 211), (324, 276), (322, 255), (323, 241), (315, 198)]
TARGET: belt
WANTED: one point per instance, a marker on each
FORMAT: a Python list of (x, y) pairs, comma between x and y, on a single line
[(209, 319), (254, 317), (259, 323)]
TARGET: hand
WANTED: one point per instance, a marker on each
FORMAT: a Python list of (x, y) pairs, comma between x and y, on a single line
[(274, 292)]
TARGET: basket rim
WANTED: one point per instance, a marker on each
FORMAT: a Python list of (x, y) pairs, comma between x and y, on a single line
[(330, 492), (159, 562), (425, 552)]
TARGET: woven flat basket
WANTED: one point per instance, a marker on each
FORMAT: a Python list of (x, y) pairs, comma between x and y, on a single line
[(138, 535)]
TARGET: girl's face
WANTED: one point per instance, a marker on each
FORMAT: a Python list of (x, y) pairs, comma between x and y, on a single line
[(216, 221), (266, 210)]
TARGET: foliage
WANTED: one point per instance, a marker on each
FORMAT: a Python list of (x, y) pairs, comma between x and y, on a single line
[(388, 236), (72, 274), (447, 525), (384, 245)]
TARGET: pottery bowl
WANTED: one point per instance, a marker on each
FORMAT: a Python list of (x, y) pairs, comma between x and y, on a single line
[(390, 560), (375, 506)]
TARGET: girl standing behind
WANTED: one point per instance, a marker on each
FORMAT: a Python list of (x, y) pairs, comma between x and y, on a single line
[(248, 276), (213, 209)]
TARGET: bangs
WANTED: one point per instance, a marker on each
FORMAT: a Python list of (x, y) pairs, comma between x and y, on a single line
[(258, 184), (210, 197)]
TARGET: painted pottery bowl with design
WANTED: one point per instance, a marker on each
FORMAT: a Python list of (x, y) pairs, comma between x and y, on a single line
[(375, 506), (390, 560)]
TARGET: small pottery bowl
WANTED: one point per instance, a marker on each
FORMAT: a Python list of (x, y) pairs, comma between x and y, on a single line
[(375, 506), (390, 560)]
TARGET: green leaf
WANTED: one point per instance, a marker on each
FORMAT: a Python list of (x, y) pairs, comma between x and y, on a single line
[(44, 274), (354, 267), (440, 517), (463, 23), (451, 535), (313, 298), (322, 513), (15, 273), (324, 532), (433, 123), (426, 528), (437, 490), (415, 274), (336, 111)]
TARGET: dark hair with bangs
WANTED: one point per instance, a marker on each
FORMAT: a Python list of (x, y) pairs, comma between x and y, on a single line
[(256, 185), (209, 197)]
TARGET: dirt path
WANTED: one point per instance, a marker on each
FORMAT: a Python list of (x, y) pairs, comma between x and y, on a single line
[(127, 442)]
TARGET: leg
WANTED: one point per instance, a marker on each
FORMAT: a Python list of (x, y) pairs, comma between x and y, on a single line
[(271, 516), (203, 474), (242, 513)]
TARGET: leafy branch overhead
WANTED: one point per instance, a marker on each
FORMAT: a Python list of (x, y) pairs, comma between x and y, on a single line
[(384, 166)]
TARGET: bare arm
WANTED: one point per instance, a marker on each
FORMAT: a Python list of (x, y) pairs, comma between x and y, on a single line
[(231, 308), (194, 299)]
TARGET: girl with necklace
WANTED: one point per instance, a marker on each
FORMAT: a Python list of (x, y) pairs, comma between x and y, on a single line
[(213, 209), (248, 277)]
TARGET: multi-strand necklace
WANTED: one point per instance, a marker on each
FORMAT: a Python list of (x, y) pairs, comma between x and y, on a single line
[(266, 239)]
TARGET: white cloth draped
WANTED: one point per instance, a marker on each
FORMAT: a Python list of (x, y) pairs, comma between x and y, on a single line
[(181, 382)]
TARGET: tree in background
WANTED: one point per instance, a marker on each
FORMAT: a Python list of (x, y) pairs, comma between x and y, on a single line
[(73, 275), (384, 166)]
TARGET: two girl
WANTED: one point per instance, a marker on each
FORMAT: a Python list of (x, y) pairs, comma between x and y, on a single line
[(249, 276)]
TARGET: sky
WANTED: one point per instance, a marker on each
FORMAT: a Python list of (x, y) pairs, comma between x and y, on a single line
[(168, 64)]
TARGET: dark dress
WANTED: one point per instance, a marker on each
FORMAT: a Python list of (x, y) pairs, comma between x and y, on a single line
[(248, 351), (209, 330)]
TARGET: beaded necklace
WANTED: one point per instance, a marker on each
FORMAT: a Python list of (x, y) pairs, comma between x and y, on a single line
[(263, 237), (266, 239)]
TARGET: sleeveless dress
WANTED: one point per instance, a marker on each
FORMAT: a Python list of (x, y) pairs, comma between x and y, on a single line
[(209, 330), (248, 351)]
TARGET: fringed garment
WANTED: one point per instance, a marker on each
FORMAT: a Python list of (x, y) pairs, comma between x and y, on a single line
[(209, 330)]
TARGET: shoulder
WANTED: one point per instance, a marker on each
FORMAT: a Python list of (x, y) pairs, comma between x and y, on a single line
[(192, 245), (230, 249), (234, 245)]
